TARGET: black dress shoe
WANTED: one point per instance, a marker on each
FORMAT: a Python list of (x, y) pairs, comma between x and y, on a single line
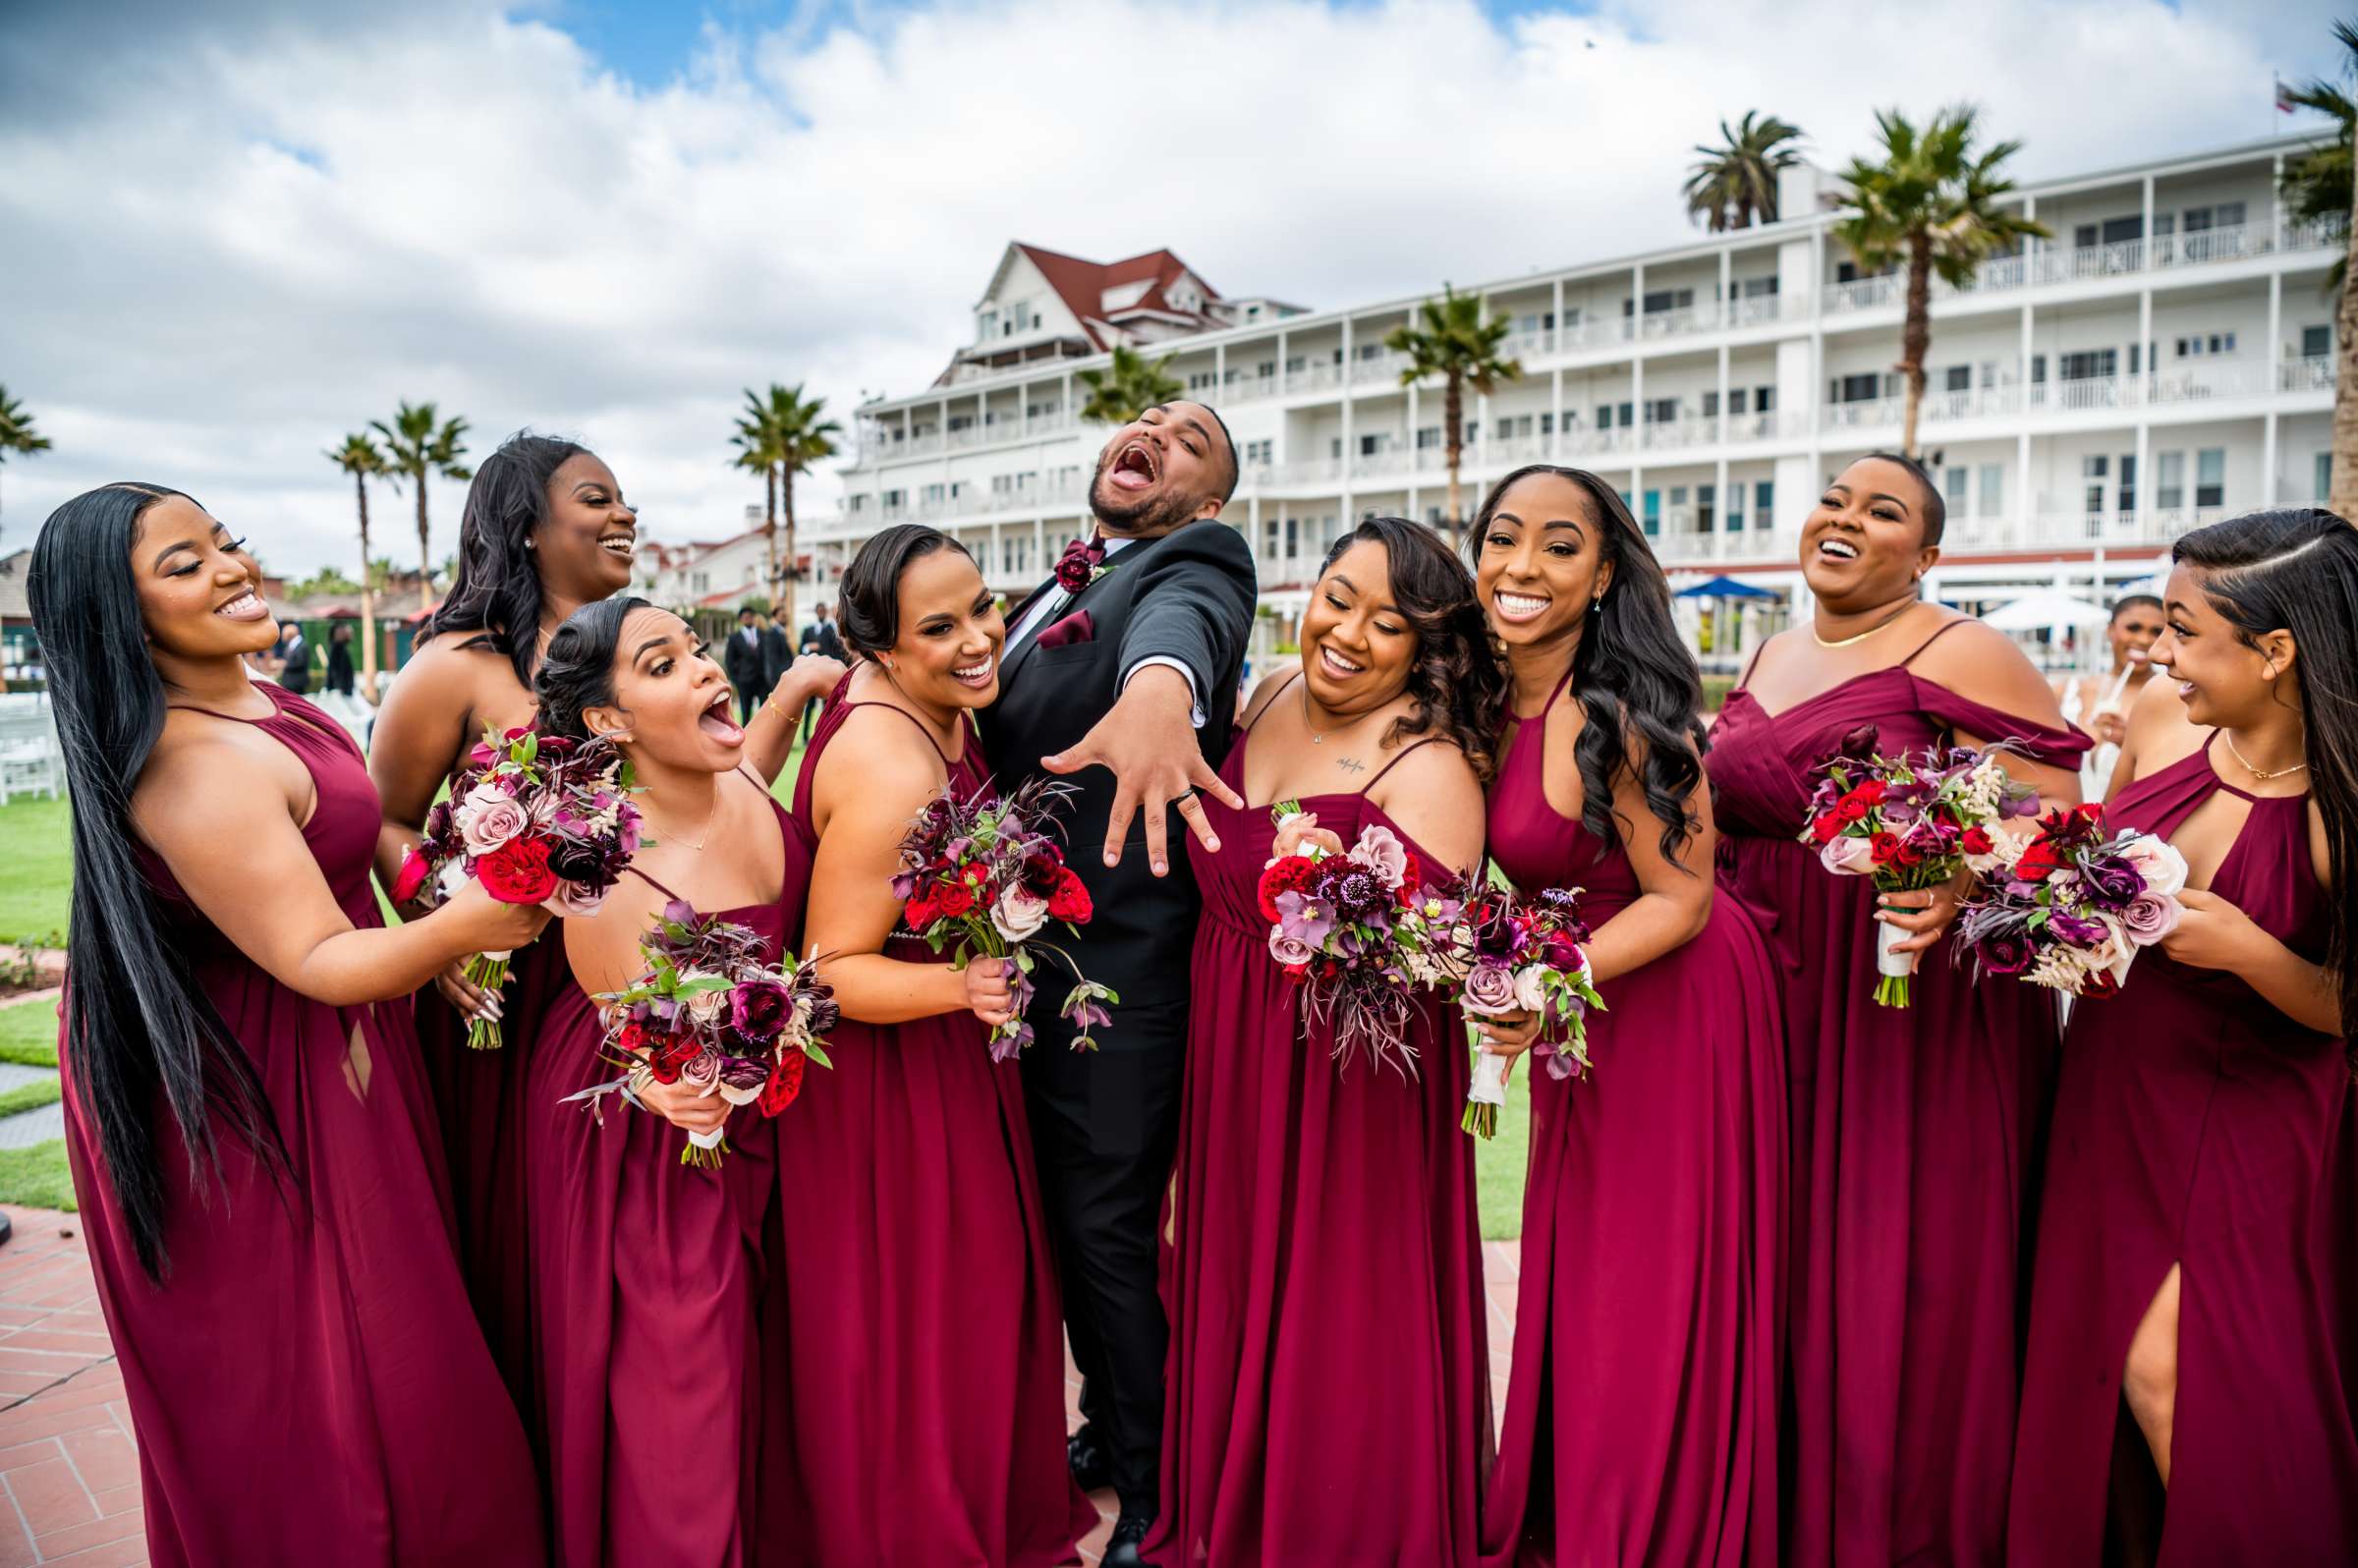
[(1085, 1454), (1121, 1551)]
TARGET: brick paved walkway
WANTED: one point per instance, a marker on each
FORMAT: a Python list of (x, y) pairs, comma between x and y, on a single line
[(69, 1473)]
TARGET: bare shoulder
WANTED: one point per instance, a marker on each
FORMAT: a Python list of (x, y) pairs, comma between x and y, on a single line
[(1976, 660), (1433, 793), (197, 758), (1265, 689), (886, 753)]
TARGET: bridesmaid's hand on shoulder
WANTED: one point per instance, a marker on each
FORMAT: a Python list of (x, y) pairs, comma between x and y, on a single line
[(687, 1109)]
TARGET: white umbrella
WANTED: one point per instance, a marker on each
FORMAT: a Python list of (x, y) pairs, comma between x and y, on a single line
[(2037, 611)]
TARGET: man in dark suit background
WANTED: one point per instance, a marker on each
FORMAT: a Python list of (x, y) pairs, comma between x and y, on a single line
[(822, 637), (777, 652), (747, 665), (1121, 672)]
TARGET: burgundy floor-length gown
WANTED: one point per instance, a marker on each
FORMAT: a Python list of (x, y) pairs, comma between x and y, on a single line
[(1913, 1146), (1641, 1421), (2197, 1125), (915, 1359), (1328, 1378), (480, 1106), (309, 1384), (647, 1284)]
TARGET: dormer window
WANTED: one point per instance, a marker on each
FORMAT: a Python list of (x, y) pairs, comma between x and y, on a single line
[(987, 324)]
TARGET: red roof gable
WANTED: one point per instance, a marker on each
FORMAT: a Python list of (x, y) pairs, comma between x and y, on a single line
[(1082, 286)]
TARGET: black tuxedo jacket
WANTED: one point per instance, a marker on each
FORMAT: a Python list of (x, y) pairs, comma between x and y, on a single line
[(743, 660), (1188, 596), (776, 654)]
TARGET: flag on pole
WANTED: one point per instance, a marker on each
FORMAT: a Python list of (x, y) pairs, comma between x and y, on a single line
[(2283, 97)]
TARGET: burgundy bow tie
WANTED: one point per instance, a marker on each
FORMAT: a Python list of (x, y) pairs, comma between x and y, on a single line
[(1080, 563)]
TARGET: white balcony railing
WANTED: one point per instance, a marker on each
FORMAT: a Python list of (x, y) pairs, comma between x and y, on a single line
[(1382, 367), (1666, 435), (2311, 375)]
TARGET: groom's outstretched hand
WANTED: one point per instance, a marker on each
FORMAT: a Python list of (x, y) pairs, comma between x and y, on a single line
[(1148, 743)]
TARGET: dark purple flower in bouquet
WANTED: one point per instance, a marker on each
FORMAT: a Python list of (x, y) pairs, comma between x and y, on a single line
[(759, 1009), (2005, 952), (1356, 895), (579, 860), (437, 822), (2080, 931), (1011, 1044), (826, 1012), (2111, 880), (1562, 952), (1042, 874)]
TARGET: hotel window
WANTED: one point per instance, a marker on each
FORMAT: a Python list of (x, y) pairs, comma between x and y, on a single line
[(1654, 513), (1293, 538), (1474, 430), (1295, 363), (2170, 480), (1371, 351), (2093, 470), (1023, 316), (2317, 342), (1546, 425), (1955, 489), (1429, 437), (1862, 388), (2325, 476), (1265, 369), (1992, 500), (1705, 506), (932, 494), (960, 422), (894, 500), (1764, 502), (1763, 400), (1735, 400), (987, 324), (2211, 477), (1959, 378), (1660, 411), (1269, 547), (1371, 445), (1259, 452), (2090, 364), (2125, 502), (1200, 380), (1711, 405), (1433, 517)]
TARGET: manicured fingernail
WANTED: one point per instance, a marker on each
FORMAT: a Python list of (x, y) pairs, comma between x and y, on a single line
[(1160, 868), (1109, 859), (1214, 846)]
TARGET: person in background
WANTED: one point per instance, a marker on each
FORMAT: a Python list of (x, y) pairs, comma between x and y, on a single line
[(747, 662), (2100, 703), (820, 638), (294, 656), (339, 660)]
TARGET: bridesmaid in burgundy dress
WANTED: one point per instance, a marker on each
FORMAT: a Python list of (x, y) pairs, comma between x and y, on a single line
[(1913, 1131), (1641, 1426), (1328, 1381), (917, 1406), (252, 1139), (646, 1274), (2196, 1240)]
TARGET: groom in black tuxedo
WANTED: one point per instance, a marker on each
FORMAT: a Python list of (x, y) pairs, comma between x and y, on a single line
[(1122, 671)]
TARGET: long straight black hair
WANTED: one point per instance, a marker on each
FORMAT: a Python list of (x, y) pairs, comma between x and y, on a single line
[(496, 591), (2297, 571), (1631, 671), (137, 1024)]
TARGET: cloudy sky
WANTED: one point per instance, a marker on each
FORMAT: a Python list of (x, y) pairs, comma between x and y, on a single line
[(230, 232)]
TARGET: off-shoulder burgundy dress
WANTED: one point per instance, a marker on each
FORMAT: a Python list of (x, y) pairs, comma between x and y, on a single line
[(2196, 1125), (1641, 1421), (1913, 1150), (309, 1384), (915, 1356), (647, 1283), (1328, 1381)]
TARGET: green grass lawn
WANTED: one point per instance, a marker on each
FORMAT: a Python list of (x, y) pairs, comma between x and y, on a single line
[(37, 1177), (29, 1033), (36, 864), (1501, 1164)]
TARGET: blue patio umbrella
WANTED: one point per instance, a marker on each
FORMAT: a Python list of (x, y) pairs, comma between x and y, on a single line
[(1726, 588)]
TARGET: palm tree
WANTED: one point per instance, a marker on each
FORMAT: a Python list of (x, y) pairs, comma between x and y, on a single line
[(17, 433), (1929, 204), (783, 435), (359, 457), (1129, 386), (1736, 180), (2320, 184), (419, 449), (1457, 345)]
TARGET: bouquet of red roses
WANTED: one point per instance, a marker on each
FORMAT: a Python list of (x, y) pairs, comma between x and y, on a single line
[(1509, 952), (2069, 907), (1344, 928), (1910, 822), (981, 877), (709, 1011), (535, 818)]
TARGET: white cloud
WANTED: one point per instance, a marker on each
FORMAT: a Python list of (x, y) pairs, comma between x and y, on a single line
[(230, 239)]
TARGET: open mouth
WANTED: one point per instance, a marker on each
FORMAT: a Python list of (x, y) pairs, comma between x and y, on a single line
[(623, 544), (1336, 666), (246, 606), (716, 721), (976, 676), (1519, 607), (1133, 467), (1838, 549)]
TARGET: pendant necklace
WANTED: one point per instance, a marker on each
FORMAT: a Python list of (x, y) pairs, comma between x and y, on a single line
[(1861, 636), (2259, 777)]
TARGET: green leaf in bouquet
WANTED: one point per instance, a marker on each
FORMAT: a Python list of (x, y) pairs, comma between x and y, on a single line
[(817, 1052), (705, 987)]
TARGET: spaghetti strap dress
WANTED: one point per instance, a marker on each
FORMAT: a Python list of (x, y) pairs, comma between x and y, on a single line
[(1914, 1152), (915, 1353), (1328, 1377), (1641, 1419), (314, 1339), (2198, 1126), (647, 1283)]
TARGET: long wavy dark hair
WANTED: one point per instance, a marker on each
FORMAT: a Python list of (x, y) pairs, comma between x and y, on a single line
[(137, 1026), (496, 594), (2297, 571), (577, 670), (1456, 683), (1632, 673)]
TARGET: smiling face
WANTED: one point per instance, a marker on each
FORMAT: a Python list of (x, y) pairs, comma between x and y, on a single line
[(1543, 561), (671, 702), (585, 544), (2224, 682), (1356, 648), (199, 592), (1169, 466), (1862, 544), (2133, 630), (946, 650)]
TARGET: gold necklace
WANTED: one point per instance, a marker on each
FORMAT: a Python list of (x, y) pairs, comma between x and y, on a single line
[(1862, 637), (699, 845), (2259, 777)]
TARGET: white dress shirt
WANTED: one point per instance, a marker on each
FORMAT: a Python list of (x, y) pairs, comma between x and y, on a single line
[(1045, 610)]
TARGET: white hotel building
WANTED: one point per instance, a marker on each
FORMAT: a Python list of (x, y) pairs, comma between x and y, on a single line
[(2165, 359)]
